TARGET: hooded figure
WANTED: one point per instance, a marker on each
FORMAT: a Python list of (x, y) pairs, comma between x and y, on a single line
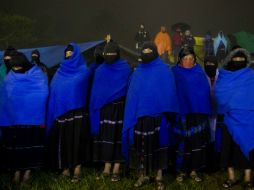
[(107, 99), (208, 44), (234, 95), (220, 47), (192, 128), (141, 37), (67, 118), (148, 118), (23, 98), (8, 53), (36, 60)]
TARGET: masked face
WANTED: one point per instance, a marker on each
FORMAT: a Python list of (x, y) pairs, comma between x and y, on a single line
[(237, 63), (110, 57), (148, 55), (187, 61), (35, 58), (210, 69)]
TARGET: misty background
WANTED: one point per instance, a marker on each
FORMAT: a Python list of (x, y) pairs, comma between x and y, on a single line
[(84, 20)]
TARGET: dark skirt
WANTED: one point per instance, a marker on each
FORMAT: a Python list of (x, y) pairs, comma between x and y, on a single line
[(69, 142), (146, 154), (107, 145), (192, 138), (231, 154), (22, 147)]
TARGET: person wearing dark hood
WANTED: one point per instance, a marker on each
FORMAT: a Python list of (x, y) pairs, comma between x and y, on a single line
[(234, 96), (208, 44), (188, 40), (67, 117), (149, 116), (106, 110), (141, 37), (36, 60), (192, 129), (177, 42), (8, 53), (23, 98)]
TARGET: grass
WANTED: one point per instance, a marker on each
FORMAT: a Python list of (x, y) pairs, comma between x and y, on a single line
[(43, 180)]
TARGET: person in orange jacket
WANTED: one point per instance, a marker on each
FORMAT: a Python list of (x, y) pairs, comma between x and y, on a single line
[(164, 44)]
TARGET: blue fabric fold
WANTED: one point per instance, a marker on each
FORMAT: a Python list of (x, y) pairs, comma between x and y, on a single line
[(193, 90), (110, 83), (151, 92), (234, 94), (23, 98), (68, 88)]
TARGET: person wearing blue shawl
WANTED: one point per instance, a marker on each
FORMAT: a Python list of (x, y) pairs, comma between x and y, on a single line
[(192, 130), (106, 109), (234, 95), (149, 114), (23, 98), (67, 117)]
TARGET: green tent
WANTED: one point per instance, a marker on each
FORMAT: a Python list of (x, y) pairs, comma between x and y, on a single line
[(245, 40)]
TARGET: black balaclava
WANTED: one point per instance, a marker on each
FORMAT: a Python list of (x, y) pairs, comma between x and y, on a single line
[(149, 52), (20, 60), (111, 52), (8, 53), (98, 55), (68, 48), (210, 65), (35, 56), (238, 61)]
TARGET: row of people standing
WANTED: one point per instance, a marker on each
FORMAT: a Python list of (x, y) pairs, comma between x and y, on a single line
[(182, 37), (134, 118)]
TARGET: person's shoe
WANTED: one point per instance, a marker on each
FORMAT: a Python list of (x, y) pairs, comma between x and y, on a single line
[(180, 177), (115, 177), (160, 185), (141, 181), (229, 183), (196, 178)]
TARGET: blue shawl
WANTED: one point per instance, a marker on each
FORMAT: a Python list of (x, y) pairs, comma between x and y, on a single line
[(110, 83), (68, 89), (151, 92), (234, 94), (217, 41), (23, 98), (193, 90)]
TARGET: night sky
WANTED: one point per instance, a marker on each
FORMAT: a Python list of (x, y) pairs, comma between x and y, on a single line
[(85, 20)]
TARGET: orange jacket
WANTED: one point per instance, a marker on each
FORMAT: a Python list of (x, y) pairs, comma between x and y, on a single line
[(163, 42)]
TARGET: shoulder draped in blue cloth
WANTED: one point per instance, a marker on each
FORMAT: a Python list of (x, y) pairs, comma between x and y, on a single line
[(234, 94), (23, 98), (151, 92), (192, 89), (110, 83), (68, 89)]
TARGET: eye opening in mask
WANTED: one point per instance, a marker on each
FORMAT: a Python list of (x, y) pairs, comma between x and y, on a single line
[(147, 50), (109, 54), (208, 63), (238, 59)]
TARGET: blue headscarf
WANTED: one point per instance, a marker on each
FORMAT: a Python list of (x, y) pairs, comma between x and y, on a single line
[(110, 83), (193, 90), (234, 94), (23, 98), (68, 89), (151, 92)]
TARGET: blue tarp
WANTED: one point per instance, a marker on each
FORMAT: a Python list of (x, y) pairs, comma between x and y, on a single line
[(53, 55)]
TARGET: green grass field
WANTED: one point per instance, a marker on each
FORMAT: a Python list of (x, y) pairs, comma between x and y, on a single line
[(48, 181)]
